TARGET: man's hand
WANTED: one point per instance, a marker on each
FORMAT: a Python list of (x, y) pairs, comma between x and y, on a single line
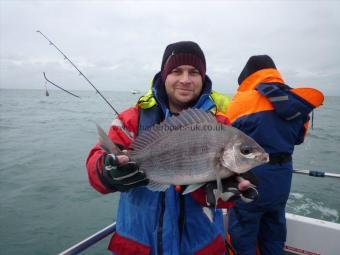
[(122, 173), (233, 188)]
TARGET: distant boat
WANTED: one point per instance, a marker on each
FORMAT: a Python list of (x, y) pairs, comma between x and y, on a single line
[(135, 91)]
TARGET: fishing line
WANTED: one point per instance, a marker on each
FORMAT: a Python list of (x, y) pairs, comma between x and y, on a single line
[(80, 73), (47, 80)]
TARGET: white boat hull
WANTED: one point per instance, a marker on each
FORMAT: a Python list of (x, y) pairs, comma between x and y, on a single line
[(311, 236)]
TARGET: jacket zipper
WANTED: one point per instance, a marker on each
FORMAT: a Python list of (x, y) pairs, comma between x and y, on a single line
[(160, 226)]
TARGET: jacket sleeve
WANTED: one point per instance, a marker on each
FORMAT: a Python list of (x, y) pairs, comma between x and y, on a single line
[(289, 105), (200, 195), (122, 132)]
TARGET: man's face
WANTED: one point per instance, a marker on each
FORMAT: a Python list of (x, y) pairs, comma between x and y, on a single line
[(183, 86)]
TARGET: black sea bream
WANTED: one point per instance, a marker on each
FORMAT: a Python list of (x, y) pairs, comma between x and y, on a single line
[(193, 148)]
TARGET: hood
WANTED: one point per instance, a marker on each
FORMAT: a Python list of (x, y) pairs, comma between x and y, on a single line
[(267, 75)]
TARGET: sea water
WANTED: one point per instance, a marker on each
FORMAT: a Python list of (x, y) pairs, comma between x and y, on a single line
[(46, 202)]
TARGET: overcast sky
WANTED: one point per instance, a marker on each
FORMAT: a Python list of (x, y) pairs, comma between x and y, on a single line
[(119, 44)]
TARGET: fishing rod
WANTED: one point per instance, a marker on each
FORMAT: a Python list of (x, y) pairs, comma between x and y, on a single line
[(316, 173), (59, 87), (80, 73)]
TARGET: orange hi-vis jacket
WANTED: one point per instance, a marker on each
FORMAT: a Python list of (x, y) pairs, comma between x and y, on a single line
[(272, 113)]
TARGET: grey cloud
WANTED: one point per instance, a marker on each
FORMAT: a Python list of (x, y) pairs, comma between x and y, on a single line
[(120, 44)]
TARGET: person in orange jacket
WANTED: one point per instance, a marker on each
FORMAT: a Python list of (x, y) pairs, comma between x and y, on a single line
[(276, 116)]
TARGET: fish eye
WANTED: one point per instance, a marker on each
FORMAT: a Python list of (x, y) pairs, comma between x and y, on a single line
[(245, 150)]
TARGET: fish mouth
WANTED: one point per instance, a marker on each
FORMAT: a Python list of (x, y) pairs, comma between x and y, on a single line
[(264, 158)]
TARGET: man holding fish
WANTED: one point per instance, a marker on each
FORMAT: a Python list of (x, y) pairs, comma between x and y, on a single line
[(175, 162)]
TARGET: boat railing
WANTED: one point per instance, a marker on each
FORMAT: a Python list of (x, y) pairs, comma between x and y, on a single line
[(89, 241)]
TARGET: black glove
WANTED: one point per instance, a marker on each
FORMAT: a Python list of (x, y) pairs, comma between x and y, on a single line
[(230, 189), (124, 177)]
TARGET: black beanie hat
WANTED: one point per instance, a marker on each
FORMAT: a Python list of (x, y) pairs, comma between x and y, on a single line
[(183, 53), (254, 64)]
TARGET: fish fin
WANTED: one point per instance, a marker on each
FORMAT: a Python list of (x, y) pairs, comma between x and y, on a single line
[(106, 142), (186, 118), (192, 188), (209, 213), (218, 192), (225, 196), (217, 195), (199, 116), (190, 117), (155, 186)]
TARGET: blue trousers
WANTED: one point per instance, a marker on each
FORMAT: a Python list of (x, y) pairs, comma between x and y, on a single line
[(263, 223), (265, 228)]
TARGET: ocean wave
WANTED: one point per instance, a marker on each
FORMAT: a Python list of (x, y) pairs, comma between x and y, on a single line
[(296, 195), (7, 127), (301, 205), (329, 136), (46, 102)]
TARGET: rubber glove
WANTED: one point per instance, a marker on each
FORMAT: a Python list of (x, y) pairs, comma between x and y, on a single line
[(123, 177), (236, 187)]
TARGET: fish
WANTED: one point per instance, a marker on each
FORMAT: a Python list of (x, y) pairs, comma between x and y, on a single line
[(192, 148)]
